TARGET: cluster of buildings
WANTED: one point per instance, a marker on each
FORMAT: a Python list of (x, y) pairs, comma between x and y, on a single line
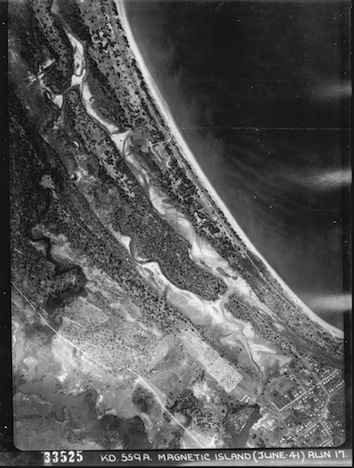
[(316, 436), (333, 382)]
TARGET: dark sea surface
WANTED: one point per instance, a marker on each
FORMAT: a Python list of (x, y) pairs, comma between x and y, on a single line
[(260, 91)]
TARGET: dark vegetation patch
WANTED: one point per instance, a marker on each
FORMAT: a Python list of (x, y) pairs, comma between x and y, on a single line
[(131, 432)]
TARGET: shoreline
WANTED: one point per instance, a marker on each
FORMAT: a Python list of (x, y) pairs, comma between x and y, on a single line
[(187, 153)]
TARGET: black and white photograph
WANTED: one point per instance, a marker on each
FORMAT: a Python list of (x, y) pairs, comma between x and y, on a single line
[(176, 233)]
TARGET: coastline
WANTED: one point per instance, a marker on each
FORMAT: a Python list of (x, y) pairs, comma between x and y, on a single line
[(187, 153)]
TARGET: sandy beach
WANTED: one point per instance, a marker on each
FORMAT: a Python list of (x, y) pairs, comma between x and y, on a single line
[(166, 113)]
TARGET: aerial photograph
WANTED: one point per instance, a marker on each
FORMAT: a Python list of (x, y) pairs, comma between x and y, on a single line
[(179, 179)]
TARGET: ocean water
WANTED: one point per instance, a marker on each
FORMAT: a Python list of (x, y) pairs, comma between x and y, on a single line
[(260, 91)]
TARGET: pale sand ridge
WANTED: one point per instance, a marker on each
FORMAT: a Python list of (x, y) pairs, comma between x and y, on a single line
[(165, 111)]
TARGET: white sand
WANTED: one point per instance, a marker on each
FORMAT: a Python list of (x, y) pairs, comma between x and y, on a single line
[(79, 59), (166, 114)]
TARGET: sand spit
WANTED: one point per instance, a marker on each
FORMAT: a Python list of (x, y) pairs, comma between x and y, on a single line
[(165, 112)]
